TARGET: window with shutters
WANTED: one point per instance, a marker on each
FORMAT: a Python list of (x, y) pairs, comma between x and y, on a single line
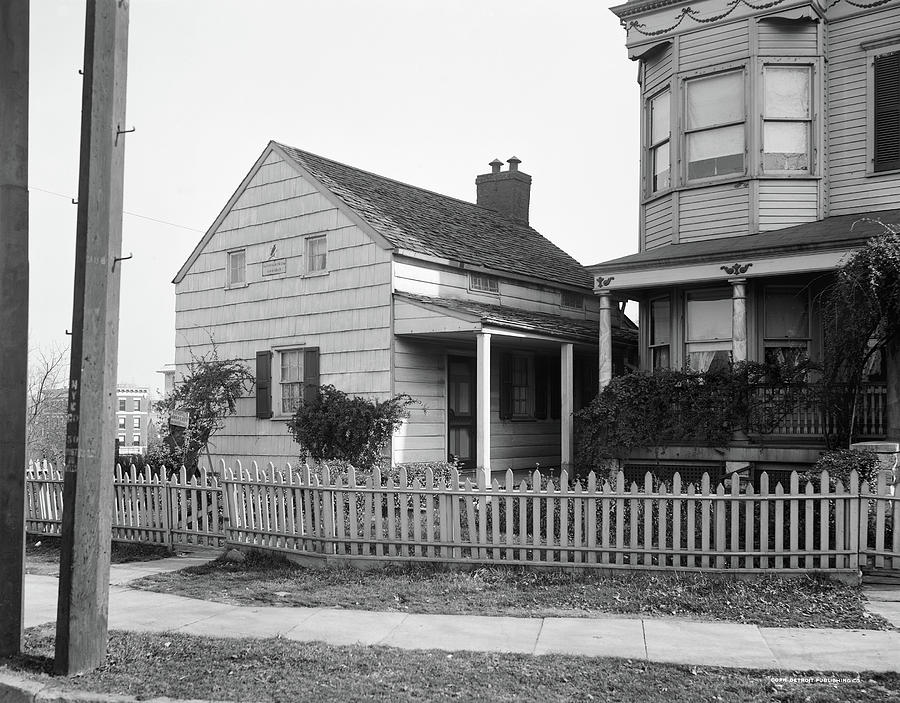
[(285, 377), (530, 387), (290, 379), (885, 117)]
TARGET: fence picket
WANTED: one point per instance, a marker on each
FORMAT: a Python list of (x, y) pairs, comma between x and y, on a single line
[(676, 520), (523, 520), (704, 521), (880, 505), (620, 518), (648, 519), (853, 521), (735, 519), (634, 506), (508, 486), (416, 517), (749, 526), (720, 527), (592, 522), (563, 516), (795, 519), (779, 526), (431, 529), (578, 537), (764, 520)]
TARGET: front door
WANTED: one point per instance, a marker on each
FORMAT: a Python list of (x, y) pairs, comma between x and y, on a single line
[(461, 410)]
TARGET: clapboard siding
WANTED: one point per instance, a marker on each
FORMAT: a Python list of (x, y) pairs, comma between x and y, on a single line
[(714, 45), (420, 371), (787, 202), (658, 69), (444, 282), (849, 189), (658, 222), (520, 444), (787, 38), (713, 212), (345, 313)]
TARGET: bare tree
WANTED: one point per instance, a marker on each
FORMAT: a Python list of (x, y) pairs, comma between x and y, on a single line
[(48, 376)]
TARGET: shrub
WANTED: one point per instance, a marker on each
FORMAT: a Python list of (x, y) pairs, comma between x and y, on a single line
[(840, 462), (337, 427), (644, 409)]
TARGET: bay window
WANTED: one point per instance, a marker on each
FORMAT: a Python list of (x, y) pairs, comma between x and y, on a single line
[(786, 326), (708, 329), (714, 125), (787, 118), (658, 143)]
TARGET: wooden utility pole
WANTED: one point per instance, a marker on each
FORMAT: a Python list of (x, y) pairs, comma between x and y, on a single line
[(13, 314), (81, 623)]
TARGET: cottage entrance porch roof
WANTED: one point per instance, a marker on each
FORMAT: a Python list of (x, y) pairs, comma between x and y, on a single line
[(448, 317)]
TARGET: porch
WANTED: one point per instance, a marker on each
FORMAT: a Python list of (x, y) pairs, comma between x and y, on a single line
[(499, 384)]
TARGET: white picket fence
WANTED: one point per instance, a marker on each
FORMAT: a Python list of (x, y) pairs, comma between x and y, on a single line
[(820, 526), (182, 510)]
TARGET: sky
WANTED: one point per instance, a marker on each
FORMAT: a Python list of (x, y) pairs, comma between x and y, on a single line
[(423, 91)]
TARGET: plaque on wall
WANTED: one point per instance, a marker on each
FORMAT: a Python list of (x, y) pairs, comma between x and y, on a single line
[(274, 267)]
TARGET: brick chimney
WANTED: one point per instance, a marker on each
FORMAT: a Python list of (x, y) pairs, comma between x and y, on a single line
[(507, 192)]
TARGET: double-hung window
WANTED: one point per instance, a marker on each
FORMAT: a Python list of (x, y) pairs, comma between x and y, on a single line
[(786, 337), (237, 268), (520, 374), (714, 125), (787, 118), (291, 380), (885, 132), (708, 329), (658, 142), (660, 333), (317, 254)]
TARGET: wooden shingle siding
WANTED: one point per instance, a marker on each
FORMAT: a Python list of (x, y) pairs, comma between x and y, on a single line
[(713, 212), (787, 38), (787, 202), (850, 189), (420, 371), (712, 46), (346, 313), (658, 69), (658, 222)]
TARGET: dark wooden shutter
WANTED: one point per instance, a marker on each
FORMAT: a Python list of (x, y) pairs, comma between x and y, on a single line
[(505, 386), (310, 374), (887, 112), (540, 387), (554, 372), (264, 385)]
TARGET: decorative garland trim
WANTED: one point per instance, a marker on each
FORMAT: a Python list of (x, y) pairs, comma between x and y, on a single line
[(732, 5)]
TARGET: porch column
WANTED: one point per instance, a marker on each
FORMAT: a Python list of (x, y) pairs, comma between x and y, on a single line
[(483, 409), (606, 357), (567, 425), (738, 319)]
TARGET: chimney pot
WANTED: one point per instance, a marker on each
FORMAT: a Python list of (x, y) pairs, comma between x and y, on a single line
[(507, 192)]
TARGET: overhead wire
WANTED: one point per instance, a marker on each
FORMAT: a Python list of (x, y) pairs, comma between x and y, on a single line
[(125, 212)]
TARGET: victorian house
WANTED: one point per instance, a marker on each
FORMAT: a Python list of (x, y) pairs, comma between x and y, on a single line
[(770, 151)]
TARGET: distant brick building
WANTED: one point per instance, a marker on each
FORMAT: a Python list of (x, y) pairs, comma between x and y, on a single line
[(132, 418)]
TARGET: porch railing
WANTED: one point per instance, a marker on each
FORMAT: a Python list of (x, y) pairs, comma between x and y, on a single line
[(808, 418)]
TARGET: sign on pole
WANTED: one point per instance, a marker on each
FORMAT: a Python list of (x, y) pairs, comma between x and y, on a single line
[(179, 418)]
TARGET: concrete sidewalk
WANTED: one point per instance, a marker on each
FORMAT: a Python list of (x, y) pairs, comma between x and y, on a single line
[(654, 639)]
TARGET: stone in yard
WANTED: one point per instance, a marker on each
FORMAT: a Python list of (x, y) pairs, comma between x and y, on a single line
[(234, 556)]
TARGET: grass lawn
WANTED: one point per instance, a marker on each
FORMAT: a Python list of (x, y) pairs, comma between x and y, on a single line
[(42, 554), (182, 666), (771, 601)]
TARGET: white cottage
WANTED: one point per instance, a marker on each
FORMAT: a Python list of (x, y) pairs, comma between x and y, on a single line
[(319, 273)]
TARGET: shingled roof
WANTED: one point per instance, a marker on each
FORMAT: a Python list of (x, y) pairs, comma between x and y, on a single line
[(526, 320), (424, 222)]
